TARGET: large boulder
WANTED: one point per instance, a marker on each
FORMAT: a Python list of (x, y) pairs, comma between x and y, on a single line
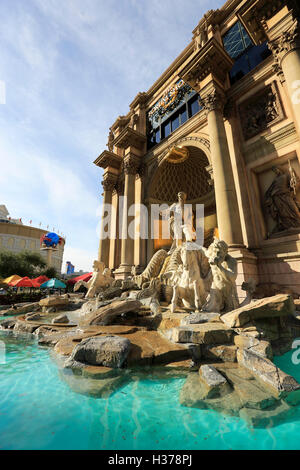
[(263, 348), (20, 309), (270, 307), (215, 384), (33, 317), (244, 396), (203, 333), (60, 319), (222, 352), (109, 351), (105, 315), (281, 384), (55, 301)]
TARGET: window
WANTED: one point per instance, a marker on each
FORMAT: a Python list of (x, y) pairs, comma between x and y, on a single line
[(246, 55), (194, 106), (175, 122), (175, 119), (236, 40)]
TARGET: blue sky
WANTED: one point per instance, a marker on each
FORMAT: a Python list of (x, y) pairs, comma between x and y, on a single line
[(70, 68)]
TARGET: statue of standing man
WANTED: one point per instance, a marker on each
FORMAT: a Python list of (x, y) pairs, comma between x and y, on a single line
[(181, 221)]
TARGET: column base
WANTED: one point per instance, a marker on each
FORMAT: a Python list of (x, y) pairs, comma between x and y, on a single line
[(123, 271), (246, 268)]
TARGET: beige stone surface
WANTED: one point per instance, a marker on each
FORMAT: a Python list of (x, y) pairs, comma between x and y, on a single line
[(104, 315), (225, 353), (54, 302), (171, 320), (278, 382), (270, 307)]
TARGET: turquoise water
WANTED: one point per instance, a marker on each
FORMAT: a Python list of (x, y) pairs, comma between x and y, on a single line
[(39, 411)]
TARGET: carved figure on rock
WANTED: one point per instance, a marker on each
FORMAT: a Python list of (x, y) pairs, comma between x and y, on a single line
[(153, 268), (100, 279), (189, 279), (249, 287), (281, 202), (223, 295)]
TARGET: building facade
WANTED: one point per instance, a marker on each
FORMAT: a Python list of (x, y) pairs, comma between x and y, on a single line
[(221, 124), (16, 237)]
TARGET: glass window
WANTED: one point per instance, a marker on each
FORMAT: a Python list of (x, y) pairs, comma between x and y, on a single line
[(175, 122), (183, 115), (240, 47), (236, 40), (166, 129), (193, 106)]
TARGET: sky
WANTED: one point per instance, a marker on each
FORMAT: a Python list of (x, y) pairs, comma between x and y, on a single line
[(68, 69)]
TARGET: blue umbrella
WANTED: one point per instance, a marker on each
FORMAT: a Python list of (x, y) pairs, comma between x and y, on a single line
[(53, 284)]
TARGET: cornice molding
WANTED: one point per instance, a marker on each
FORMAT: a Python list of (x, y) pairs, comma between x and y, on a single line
[(210, 59), (108, 159), (130, 137)]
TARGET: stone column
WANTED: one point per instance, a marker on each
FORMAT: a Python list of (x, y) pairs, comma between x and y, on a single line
[(226, 200), (286, 51), (131, 164), (108, 183)]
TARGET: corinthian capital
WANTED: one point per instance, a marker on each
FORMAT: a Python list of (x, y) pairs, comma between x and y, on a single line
[(109, 182), (131, 164), (215, 101), (286, 42)]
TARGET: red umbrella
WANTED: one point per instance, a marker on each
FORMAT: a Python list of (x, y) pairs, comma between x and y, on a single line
[(83, 277), (24, 282), (40, 280)]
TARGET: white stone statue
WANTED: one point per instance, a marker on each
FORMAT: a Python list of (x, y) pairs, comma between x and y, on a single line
[(100, 279), (223, 294), (181, 221), (188, 281)]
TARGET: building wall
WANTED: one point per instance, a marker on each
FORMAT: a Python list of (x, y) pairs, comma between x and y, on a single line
[(247, 149), (17, 238)]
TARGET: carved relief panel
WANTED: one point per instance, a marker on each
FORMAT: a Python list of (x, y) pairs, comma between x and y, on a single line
[(279, 188), (260, 111)]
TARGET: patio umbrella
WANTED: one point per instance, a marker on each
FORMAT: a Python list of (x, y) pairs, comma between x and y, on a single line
[(40, 280), (13, 278), (23, 282), (53, 284), (83, 277)]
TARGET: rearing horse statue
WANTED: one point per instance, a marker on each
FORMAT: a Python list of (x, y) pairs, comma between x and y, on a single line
[(190, 280)]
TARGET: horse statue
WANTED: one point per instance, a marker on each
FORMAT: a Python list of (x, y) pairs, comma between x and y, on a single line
[(189, 281)]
